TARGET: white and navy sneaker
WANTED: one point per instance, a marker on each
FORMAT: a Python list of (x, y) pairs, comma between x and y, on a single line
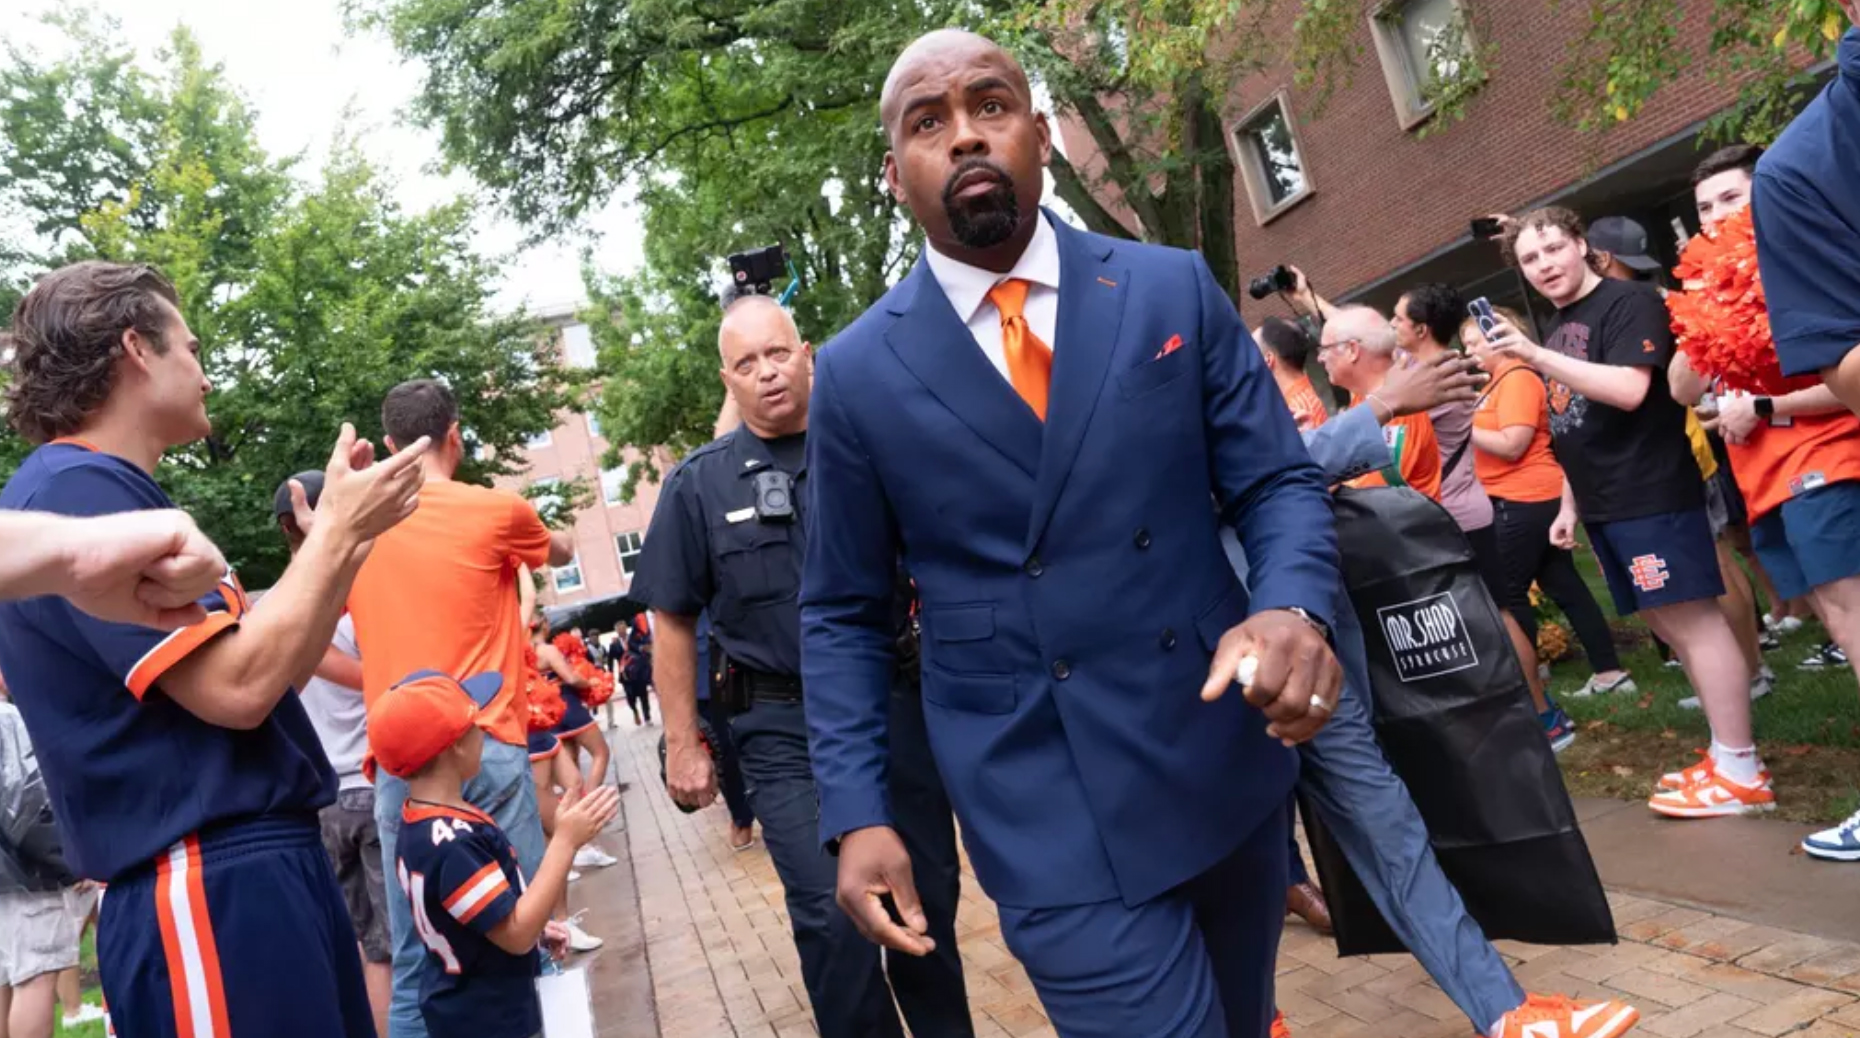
[(1825, 658), (1761, 685), (1786, 625), (1841, 843), (1595, 686)]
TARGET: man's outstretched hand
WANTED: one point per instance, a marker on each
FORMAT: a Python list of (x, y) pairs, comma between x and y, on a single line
[(1414, 386), (1293, 676), (361, 497), (873, 863)]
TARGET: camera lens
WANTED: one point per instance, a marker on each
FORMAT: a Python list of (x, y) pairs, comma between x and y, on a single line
[(776, 499), (1260, 288)]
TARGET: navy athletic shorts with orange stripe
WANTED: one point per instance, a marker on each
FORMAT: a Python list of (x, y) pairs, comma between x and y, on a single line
[(543, 745), (238, 930), (576, 719)]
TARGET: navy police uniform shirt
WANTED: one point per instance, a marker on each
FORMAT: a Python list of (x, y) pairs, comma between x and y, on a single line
[(462, 878), (706, 549), (130, 772), (1806, 206)]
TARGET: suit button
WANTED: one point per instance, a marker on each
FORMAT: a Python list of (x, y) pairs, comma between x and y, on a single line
[(1061, 670), (1167, 640), (1142, 539), (1034, 567)]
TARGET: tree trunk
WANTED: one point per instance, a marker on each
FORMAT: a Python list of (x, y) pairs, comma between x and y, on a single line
[(1216, 199), (1070, 185)]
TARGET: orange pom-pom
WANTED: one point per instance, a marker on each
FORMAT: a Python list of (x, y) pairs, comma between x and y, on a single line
[(570, 646), (544, 696), (598, 685), (1721, 321)]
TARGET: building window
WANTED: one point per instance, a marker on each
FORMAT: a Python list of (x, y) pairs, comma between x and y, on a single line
[(628, 546), (611, 482), (540, 440), (546, 502), (578, 346), (567, 578), (1266, 150), (1425, 47)]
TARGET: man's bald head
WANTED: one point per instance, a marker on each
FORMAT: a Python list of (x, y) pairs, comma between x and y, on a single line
[(754, 316), (766, 366), (968, 150), (1363, 325), (940, 50)]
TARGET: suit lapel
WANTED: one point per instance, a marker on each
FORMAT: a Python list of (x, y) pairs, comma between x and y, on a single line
[(1091, 308), (937, 347)]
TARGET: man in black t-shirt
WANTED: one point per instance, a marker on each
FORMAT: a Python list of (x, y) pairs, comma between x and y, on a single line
[(1631, 478)]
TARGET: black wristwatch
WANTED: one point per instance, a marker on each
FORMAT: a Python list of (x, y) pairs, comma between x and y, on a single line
[(1765, 406)]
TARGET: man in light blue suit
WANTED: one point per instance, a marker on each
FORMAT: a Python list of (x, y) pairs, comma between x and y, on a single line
[(1051, 427), (1363, 802)]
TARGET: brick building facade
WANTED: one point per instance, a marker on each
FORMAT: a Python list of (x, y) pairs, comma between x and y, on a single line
[(607, 532), (1386, 207)]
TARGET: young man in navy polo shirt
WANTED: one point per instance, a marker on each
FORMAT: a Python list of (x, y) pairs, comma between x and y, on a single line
[(1806, 205), (180, 769)]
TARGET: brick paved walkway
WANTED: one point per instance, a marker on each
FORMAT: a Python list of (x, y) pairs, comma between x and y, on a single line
[(722, 962)]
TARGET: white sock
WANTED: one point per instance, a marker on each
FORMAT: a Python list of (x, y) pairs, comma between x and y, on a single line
[(1739, 765)]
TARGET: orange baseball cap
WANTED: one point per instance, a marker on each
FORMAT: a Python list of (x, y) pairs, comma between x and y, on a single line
[(416, 719)]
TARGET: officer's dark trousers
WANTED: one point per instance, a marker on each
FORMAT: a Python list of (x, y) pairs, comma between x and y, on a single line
[(729, 767), (841, 969)]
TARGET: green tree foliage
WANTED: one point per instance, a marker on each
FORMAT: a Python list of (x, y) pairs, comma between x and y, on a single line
[(310, 299), (1631, 49), (741, 122)]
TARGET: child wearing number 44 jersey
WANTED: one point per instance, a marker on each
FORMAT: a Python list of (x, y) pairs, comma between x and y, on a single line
[(479, 919)]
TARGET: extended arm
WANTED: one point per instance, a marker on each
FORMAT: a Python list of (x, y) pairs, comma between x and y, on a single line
[(146, 568)]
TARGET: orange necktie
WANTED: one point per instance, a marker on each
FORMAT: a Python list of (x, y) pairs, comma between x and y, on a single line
[(1029, 361)]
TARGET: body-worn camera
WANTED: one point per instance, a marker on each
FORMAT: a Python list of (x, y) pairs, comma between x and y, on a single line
[(774, 496), (754, 271), (1278, 279)]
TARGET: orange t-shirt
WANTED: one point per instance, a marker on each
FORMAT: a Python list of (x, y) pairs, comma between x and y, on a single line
[(439, 592), (1514, 400), (1800, 454), (1308, 409), (1415, 452)]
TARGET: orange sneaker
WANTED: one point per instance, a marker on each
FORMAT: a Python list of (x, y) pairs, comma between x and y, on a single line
[(1716, 797), (1553, 1016), (1697, 773), (1279, 1029)]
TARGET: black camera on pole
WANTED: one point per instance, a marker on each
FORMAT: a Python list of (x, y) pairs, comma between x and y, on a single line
[(1278, 279), (753, 272)]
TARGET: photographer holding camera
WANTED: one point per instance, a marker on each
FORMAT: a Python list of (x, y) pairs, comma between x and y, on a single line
[(727, 538)]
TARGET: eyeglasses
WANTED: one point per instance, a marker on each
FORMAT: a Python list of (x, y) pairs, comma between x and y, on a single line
[(1334, 345)]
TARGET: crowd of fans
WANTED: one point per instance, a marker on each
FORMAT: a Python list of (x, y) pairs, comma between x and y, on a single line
[(1676, 455), (381, 756)]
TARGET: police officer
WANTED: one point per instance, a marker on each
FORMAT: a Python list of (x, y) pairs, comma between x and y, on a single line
[(727, 537)]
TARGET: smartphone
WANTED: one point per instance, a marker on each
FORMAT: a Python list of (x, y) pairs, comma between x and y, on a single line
[(1487, 227), (1482, 312)]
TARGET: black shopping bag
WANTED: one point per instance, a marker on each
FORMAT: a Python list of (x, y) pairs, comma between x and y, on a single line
[(1454, 717)]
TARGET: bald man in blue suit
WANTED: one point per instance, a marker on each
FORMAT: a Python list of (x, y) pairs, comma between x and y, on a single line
[(1051, 428)]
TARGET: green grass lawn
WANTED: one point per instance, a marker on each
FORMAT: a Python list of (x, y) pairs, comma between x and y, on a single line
[(1808, 728)]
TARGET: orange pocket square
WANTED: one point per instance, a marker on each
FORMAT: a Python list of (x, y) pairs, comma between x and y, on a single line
[(1174, 344)]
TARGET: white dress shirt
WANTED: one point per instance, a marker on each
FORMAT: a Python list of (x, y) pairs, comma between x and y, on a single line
[(967, 288)]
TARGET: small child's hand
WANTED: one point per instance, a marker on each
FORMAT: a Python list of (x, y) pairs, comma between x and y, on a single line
[(582, 818), (555, 940)]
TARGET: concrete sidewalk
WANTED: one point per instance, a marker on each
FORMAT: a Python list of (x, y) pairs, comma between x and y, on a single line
[(699, 944)]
